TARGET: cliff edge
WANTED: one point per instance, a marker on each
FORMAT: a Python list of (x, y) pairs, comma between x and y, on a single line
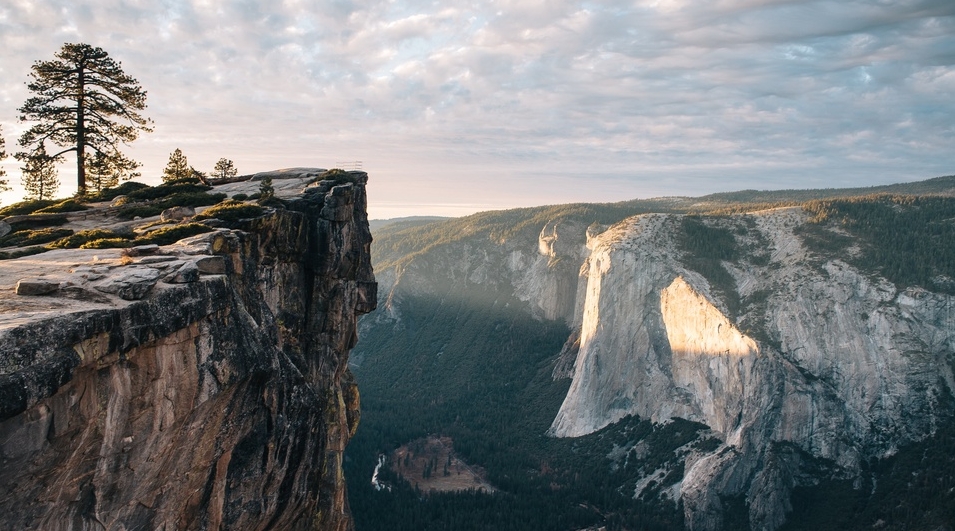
[(199, 385)]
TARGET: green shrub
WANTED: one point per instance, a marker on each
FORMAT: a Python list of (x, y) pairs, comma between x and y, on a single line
[(107, 243), (240, 197), (231, 211), (23, 238), (183, 180), (26, 207), (168, 235), (79, 239), (70, 205), (191, 199), (108, 194), (168, 189), (271, 201)]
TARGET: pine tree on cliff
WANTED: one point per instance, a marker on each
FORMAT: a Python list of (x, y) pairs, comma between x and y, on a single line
[(40, 180), (83, 101), (4, 184), (266, 190), (224, 169), (177, 167)]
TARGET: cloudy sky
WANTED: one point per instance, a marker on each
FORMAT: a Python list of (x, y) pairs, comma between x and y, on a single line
[(466, 105)]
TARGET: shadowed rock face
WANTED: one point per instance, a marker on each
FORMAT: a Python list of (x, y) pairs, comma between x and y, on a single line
[(215, 401)]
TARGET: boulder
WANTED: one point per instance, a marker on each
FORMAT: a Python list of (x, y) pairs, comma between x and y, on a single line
[(36, 287), (211, 265), (177, 213), (5, 228), (189, 272)]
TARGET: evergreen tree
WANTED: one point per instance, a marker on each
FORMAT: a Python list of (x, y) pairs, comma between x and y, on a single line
[(224, 169), (4, 184), (82, 100), (103, 171), (266, 191), (39, 179), (177, 168)]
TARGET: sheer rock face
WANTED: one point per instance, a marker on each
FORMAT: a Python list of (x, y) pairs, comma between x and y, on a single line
[(849, 367), (218, 403)]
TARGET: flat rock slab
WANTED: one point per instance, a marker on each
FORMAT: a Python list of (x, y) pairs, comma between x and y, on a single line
[(36, 287), (130, 283)]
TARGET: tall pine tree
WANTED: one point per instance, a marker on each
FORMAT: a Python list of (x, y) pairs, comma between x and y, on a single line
[(83, 101)]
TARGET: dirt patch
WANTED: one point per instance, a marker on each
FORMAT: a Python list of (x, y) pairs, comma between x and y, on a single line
[(430, 464)]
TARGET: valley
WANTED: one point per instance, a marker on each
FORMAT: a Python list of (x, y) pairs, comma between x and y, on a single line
[(727, 362)]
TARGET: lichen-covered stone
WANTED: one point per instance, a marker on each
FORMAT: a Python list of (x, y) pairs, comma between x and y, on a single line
[(177, 213)]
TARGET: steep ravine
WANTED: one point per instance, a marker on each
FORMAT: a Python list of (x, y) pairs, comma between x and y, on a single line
[(204, 386)]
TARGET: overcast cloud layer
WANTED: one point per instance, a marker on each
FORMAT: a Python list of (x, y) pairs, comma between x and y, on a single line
[(457, 106)]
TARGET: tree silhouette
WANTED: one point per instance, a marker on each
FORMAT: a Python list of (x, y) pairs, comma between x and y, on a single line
[(4, 184), (266, 190), (224, 169), (82, 100), (177, 167), (103, 171), (39, 178)]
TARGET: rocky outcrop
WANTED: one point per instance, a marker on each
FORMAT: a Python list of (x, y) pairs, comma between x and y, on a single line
[(846, 366), (204, 386)]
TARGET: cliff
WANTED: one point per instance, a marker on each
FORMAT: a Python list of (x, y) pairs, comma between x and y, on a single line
[(200, 385), (821, 362)]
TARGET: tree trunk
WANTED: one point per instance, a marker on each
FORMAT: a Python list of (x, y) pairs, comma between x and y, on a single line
[(80, 134)]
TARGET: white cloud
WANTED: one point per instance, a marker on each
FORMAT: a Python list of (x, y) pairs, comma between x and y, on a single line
[(503, 94)]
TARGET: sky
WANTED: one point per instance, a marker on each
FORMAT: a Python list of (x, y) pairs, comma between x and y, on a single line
[(459, 106)]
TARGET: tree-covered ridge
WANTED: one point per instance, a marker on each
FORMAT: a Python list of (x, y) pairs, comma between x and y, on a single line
[(909, 240), (399, 243), (937, 185)]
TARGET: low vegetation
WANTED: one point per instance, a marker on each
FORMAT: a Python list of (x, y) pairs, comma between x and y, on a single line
[(109, 194), (80, 238), (26, 207), (168, 235), (70, 205), (25, 238), (231, 210)]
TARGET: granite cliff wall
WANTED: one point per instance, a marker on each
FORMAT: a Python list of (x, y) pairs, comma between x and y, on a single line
[(822, 365), (204, 386)]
